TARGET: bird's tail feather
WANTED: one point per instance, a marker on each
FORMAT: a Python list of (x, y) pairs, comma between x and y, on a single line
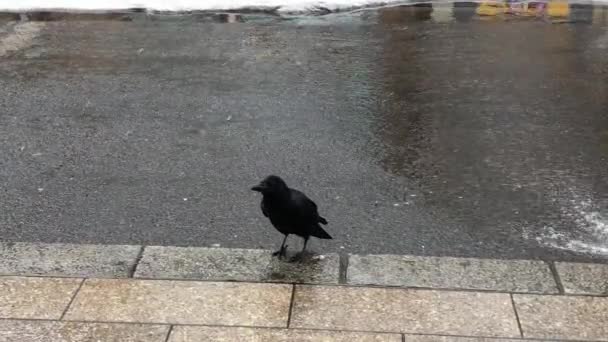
[(320, 233), (322, 220)]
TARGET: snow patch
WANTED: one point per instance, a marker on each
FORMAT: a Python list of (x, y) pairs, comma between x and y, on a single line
[(280, 6), (22, 36), (287, 6)]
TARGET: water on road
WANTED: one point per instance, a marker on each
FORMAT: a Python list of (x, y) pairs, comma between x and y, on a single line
[(463, 130)]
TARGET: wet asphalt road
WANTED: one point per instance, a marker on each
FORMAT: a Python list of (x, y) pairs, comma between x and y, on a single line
[(416, 131)]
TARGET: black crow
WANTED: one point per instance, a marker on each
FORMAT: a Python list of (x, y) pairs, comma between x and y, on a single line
[(290, 212)]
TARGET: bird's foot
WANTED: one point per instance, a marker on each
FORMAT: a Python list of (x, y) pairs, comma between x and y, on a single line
[(297, 258), (281, 252)]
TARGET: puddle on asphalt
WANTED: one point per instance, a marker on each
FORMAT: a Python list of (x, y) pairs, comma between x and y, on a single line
[(495, 110), (487, 117)]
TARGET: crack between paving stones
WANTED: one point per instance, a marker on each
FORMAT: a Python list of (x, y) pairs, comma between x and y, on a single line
[(556, 277), (72, 299), (521, 331), (291, 302), (169, 333), (343, 268), (140, 255)]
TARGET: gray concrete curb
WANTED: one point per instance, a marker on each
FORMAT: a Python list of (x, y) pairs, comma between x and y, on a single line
[(222, 264), (68, 260)]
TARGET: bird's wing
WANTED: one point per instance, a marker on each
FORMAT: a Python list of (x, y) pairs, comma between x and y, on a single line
[(264, 211), (305, 206)]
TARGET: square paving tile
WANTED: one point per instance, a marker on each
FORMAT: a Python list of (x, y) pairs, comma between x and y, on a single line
[(221, 264), (221, 334), (579, 278), (563, 317), (72, 260), (404, 310), (54, 331), (182, 302), (451, 273), (437, 338), (36, 298)]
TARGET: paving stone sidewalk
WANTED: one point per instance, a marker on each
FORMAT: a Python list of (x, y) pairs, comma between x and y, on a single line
[(55, 292)]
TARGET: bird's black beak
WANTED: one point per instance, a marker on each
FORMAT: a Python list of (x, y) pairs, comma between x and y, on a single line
[(259, 188)]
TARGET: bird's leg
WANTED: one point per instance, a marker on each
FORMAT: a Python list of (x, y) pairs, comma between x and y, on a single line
[(282, 250), (300, 256)]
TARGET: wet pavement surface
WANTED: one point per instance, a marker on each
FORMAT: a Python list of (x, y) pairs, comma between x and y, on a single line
[(417, 130)]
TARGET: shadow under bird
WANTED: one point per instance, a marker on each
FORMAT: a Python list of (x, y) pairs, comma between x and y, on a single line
[(290, 212)]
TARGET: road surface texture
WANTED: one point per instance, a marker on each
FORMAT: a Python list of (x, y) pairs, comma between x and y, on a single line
[(417, 130)]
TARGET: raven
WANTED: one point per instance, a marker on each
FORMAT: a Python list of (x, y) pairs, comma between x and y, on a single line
[(290, 212)]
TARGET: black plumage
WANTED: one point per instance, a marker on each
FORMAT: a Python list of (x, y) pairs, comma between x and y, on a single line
[(290, 211)]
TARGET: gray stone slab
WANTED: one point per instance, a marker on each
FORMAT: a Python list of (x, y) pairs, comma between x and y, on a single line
[(221, 334), (579, 278), (395, 310), (235, 264), (225, 334), (53, 331), (36, 298), (438, 338), (182, 302), (451, 273), (72, 260), (563, 317)]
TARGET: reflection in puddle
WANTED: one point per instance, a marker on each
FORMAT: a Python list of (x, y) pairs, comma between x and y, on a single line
[(553, 11), (486, 116)]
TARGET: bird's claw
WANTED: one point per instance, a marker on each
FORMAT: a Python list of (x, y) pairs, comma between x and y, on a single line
[(296, 258), (281, 252)]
